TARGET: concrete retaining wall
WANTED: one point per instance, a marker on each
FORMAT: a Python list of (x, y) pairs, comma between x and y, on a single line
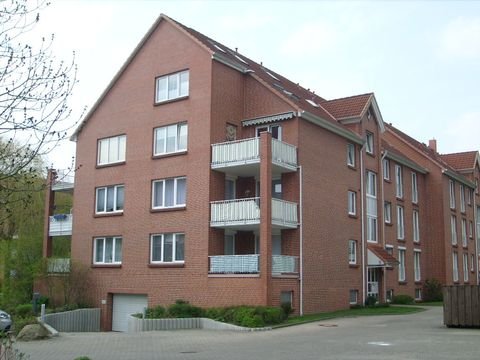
[(81, 320)]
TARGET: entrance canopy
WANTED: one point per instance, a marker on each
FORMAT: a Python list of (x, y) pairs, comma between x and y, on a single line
[(379, 257)]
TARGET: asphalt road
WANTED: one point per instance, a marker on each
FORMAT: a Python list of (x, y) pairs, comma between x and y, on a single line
[(414, 336)]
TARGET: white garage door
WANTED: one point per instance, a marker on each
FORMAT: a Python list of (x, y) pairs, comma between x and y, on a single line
[(125, 305)]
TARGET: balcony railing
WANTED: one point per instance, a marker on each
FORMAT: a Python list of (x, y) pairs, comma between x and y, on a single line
[(247, 151), (284, 213), (235, 212), (284, 264), (234, 264), (60, 225), (58, 265)]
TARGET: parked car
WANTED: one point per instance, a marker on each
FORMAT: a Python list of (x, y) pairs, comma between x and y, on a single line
[(5, 321)]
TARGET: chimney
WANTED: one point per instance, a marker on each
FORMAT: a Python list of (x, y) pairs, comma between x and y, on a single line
[(432, 144)]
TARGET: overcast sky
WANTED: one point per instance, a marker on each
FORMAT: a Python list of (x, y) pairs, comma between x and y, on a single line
[(420, 58)]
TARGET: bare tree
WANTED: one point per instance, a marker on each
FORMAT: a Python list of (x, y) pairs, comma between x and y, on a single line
[(34, 91)]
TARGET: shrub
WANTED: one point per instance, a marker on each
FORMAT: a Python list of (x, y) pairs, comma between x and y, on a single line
[(182, 309), (20, 322), (157, 312), (82, 358), (24, 310), (356, 306), (370, 301), (403, 299), (273, 315), (287, 309), (215, 314), (43, 300), (432, 290)]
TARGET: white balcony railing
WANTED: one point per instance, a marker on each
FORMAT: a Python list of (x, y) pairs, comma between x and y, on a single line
[(235, 212), (283, 153), (284, 264), (58, 265), (60, 225), (234, 264), (236, 152), (284, 213)]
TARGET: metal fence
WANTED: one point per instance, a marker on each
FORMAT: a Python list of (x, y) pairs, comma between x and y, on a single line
[(461, 306), (81, 320)]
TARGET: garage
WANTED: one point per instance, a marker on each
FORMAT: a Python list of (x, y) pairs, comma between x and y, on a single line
[(125, 305)]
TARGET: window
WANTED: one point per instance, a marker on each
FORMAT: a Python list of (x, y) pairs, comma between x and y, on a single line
[(414, 188), (455, 266), (469, 196), (386, 169), (453, 225), (353, 297), (401, 264), (172, 86), (108, 250), (369, 143), (398, 181), (452, 194), (111, 150), (389, 249), (472, 263), (390, 295), (416, 226), (170, 139), (400, 223), (352, 199), (465, 267), (275, 130), (352, 252), (286, 297), (230, 189), (462, 198), (418, 294), (167, 248), (476, 186), (169, 193), (470, 229), (464, 233), (371, 206), (387, 212), (109, 199), (350, 155), (416, 265)]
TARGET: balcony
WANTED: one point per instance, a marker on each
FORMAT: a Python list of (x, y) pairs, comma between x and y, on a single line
[(58, 266), (284, 264), (245, 214), (242, 157), (234, 264), (60, 225)]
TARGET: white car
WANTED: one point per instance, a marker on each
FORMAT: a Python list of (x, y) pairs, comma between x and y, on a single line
[(5, 321)]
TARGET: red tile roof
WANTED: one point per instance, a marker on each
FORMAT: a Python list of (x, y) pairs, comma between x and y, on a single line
[(461, 160), (352, 106), (382, 254)]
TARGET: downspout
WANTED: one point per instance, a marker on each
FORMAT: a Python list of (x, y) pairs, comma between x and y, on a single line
[(301, 239), (383, 222), (363, 224)]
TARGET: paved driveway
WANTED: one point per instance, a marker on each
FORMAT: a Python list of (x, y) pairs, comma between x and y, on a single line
[(415, 336)]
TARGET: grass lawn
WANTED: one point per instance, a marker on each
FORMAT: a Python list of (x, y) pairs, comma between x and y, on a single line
[(391, 310), (430, 303)]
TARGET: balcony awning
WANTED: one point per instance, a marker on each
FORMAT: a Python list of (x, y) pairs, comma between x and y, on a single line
[(268, 119), (379, 257)]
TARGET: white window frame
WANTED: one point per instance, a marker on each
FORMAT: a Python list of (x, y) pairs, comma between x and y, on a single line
[(470, 229), (175, 193), (398, 181), (462, 198), (414, 188), (268, 128), (417, 270), (115, 148), (352, 203), (416, 226), (169, 78), (161, 237), (401, 264), (387, 212), (451, 186), (453, 226), (352, 252), (178, 131), (116, 241), (351, 154), (455, 266), (465, 267), (400, 222), (472, 262), (418, 294), (386, 169), (464, 233), (372, 211), (369, 143), (469, 196), (105, 197)]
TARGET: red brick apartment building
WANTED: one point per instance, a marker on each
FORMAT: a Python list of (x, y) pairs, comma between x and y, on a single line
[(204, 176)]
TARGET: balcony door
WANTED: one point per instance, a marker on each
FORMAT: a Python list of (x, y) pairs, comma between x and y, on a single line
[(275, 130)]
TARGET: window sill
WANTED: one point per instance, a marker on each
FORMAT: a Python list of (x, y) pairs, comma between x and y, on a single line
[(114, 266), (387, 180), (388, 224), (352, 216), (352, 167), (403, 282), (372, 154), (401, 240), (110, 164), (455, 245), (353, 266), (102, 215), (401, 199), (177, 208), (170, 154), (170, 100), (419, 282), (166, 265)]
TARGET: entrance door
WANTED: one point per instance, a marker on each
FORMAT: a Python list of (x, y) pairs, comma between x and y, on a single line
[(372, 284)]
